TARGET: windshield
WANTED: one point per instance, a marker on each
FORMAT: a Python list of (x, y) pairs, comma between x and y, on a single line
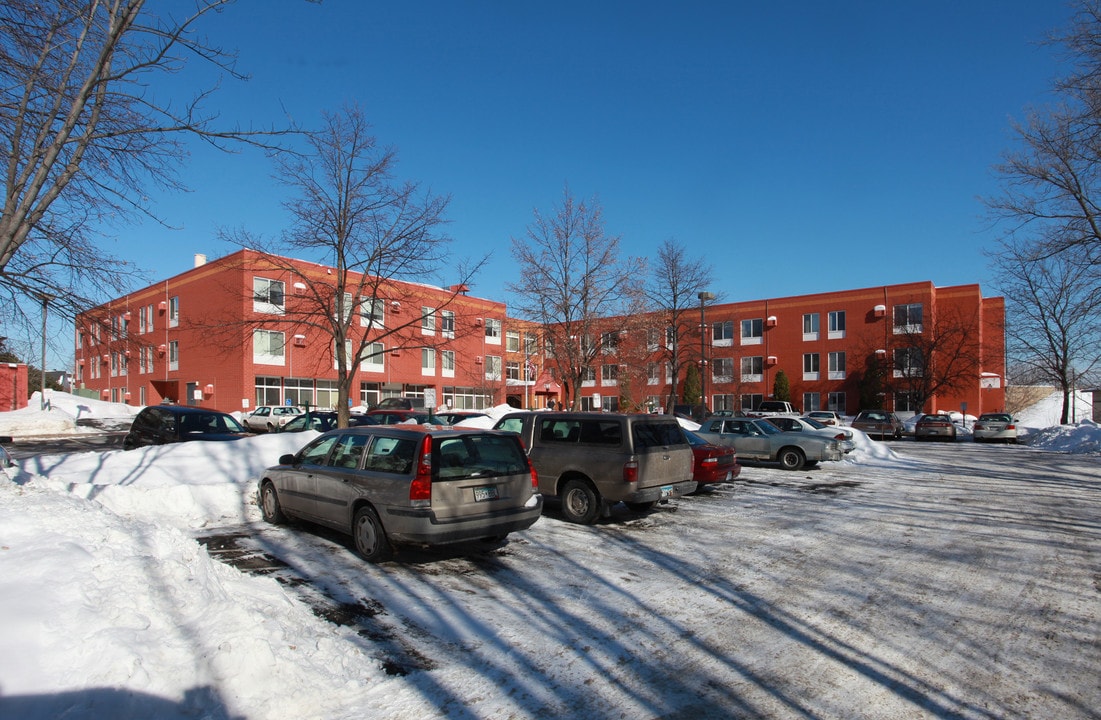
[(815, 424)]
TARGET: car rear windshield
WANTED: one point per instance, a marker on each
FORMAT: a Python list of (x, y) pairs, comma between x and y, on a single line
[(477, 455), (650, 436)]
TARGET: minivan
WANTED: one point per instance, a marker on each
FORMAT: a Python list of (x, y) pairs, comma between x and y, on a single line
[(591, 461), (388, 485)]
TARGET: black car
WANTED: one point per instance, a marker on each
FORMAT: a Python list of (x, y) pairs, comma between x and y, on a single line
[(163, 424), (324, 421)]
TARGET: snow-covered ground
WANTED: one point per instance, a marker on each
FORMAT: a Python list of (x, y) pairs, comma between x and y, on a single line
[(897, 583)]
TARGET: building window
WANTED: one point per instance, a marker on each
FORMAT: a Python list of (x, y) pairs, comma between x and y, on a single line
[(653, 373), (722, 333), (810, 366), (836, 330), (722, 370), (373, 358), (493, 367), (588, 376), (530, 344), (812, 401), (512, 341), (609, 374), (753, 331), (447, 323), (836, 402), (493, 331), (908, 362), (428, 361), (174, 355), (267, 296), (372, 312), (753, 369), (906, 402), (447, 363), (609, 343), (750, 401), (837, 366), (114, 364), (174, 311), (810, 326), (512, 370), (908, 318), (267, 347), (653, 339), (722, 402), (428, 321)]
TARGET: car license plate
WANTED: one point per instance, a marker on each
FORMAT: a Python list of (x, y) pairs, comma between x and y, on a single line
[(666, 491), (485, 493)]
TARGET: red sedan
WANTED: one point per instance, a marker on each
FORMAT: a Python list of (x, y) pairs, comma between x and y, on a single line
[(713, 463)]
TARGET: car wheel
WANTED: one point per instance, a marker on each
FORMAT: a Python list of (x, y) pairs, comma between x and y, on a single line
[(269, 505), (370, 537), (641, 506), (791, 458), (271, 428), (580, 503)]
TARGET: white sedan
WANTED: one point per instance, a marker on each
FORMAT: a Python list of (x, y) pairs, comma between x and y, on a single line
[(809, 425), (270, 418), (995, 427)]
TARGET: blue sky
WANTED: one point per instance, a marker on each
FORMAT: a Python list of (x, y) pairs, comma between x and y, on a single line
[(799, 146)]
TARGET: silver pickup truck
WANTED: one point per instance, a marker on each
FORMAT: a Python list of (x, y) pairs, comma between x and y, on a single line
[(590, 461)]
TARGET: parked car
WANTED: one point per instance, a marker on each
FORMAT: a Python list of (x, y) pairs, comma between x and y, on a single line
[(937, 426), (808, 425), (591, 461), (994, 427), (406, 485), (450, 417), (878, 423), (323, 421), (401, 403), (163, 424), (826, 417), (713, 463), (5, 459), (394, 416), (772, 408), (760, 440), (695, 413), (269, 418)]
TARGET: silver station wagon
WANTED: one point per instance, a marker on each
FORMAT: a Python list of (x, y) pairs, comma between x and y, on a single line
[(409, 484)]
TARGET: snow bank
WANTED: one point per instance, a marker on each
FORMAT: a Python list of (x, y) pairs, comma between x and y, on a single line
[(60, 416)]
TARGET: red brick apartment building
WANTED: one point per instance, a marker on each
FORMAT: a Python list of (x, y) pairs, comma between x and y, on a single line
[(220, 336), (828, 345), (217, 336)]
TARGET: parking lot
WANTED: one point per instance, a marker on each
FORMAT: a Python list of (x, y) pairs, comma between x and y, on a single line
[(957, 581)]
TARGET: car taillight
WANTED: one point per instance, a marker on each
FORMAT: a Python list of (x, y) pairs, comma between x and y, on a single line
[(1010, 427), (420, 491), (978, 426), (630, 471), (839, 436), (534, 477), (708, 460)]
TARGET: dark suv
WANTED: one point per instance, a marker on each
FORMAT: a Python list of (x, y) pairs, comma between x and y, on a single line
[(406, 484), (593, 460), (162, 424)]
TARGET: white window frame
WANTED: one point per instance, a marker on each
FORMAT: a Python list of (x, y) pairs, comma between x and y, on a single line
[(609, 375), (447, 363), (749, 376), (174, 311), (512, 341), (428, 321), (493, 367), (261, 354), (722, 370), (753, 331), (493, 331), (811, 326), (428, 362), (261, 296), (173, 354), (836, 328), (722, 333), (373, 358), (836, 367), (908, 326), (812, 366), (372, 312), (447, 323)]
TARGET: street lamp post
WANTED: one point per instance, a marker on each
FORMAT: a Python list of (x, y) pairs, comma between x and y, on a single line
[(46, 298), (704, 298)]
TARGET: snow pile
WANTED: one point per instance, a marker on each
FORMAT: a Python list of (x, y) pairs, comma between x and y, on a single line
[(1046, 413), (62, 410), (1084, 437)]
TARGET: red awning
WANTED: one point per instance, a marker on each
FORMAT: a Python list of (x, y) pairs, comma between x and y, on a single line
[(546, 385)]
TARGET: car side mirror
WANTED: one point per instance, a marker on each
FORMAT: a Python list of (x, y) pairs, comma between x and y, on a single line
[(286, 460)]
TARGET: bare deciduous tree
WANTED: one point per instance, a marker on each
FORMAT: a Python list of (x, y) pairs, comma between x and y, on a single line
[(939, 354), (571, 279), (351, 213), (84, 135), (672, 294), (1054, 335)]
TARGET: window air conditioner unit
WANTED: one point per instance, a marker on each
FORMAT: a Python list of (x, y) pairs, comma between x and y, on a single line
[(478, 322), (161, 349), (395, 307), (772, 360), (300, 340), (162, 306), (299, 288), (478, 360), (771, 322), (879, 310), (396, 352), (881, 353)]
